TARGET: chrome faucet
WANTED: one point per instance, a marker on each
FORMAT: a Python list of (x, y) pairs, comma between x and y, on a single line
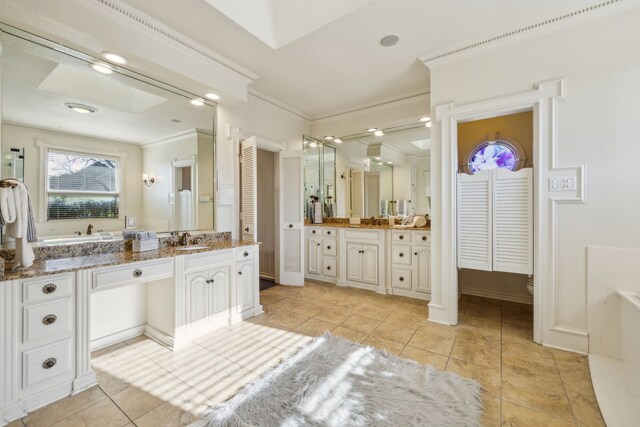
[(89, 228), (184, 239)]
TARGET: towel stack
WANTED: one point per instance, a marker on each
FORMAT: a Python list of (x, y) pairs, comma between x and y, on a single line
[(16, 215), (142, 240)]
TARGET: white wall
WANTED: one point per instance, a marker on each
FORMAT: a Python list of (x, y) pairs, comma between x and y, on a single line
[(256, 117), (131, 191), (597, 125)]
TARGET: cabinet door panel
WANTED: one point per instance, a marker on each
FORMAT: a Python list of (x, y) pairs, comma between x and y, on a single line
[(314, 251), (198, 296), (244, 287), (370, 264), (422, 280), (219, 291), (354, 262)]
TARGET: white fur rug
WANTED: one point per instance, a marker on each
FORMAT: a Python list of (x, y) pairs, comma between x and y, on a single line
[(335, 382)]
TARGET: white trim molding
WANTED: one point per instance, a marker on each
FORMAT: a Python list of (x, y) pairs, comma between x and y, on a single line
[(542, 100), (585, 12)]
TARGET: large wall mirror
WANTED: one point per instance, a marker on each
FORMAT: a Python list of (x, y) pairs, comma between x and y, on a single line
[(96, 145), (370, 174)]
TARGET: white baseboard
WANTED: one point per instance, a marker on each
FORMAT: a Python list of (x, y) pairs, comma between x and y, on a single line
[(159, 336), (106, 341), (438, 314), (267, 276), (497, 295), (565, 338), (426, 296), (84, 382)]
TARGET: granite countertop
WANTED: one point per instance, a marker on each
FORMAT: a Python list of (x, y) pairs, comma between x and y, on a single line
[(65, 265), (367, 226)]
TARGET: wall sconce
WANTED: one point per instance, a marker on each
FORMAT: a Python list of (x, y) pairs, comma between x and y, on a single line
[(147, 181)]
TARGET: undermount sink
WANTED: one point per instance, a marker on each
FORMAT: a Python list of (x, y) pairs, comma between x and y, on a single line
[(191, 248)]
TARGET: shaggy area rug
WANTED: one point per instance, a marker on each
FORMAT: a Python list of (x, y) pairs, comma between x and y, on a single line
[(335, 382)]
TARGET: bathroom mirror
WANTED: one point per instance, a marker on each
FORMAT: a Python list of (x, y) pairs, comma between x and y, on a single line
[(370, 175), (102, 143)]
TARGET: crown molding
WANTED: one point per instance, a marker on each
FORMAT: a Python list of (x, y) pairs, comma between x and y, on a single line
[(559, 20), (280, 105)]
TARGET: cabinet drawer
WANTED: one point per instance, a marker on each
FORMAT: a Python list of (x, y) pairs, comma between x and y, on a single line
[(402, 254), (329, 247), (315, 231), (244, 253), (401, 236), (330, 232), (47, 319), (329, 267), (207, 259), (46, 288), (129, 274), (401, 278), (422, 238), (46, 362)]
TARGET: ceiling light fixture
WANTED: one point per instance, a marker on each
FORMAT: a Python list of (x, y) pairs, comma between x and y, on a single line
[(80, 108), (114, 57), (428, 124), (337, 140), (389, 163), (378, 133), (313, 145), (378, 158), (197, 102), (213, 96), (102, 68), (425, 119), (372, 129), (328, 138), (390, 40)]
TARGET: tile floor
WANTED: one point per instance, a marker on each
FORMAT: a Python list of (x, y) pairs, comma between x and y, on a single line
[(142, 383)]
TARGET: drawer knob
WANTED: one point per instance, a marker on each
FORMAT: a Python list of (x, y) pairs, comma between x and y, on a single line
[(49, 319), (245, 254), (328, 267), (318, 244), (49, 363), (246, 229), (401, 237), (313, 231), (137, 272), (210, 280), (49, 288), (328, 232), (415, 253), (401, 254), (424, 238), (291, 226), (329, 247), (401, 279)]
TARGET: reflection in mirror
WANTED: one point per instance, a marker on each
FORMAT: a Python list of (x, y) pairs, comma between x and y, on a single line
[(102, 147), (375, 175), (319, 178)]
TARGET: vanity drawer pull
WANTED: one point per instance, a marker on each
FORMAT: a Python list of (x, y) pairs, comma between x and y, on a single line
[(313, 231), (49, 288), (424, 238), (49, 363), (328, 267), (246, 229), (210, 280), (49, 319), (245, 254), (415, 253), (401, 254), (401, 237), (329, 232), (401, 279), (329, 247), (239, 273), (137, 272), (291, 226)]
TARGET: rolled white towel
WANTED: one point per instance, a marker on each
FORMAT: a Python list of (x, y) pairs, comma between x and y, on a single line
[(19, 229)]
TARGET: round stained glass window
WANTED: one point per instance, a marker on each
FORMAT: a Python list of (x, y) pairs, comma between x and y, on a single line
[(493, 156)]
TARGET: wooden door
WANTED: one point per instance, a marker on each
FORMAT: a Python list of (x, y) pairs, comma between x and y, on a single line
[(291, 249)]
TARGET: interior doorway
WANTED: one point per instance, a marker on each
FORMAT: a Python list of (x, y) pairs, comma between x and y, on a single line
[(267, 208)]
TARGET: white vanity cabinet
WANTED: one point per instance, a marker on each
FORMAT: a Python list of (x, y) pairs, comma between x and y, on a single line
[(245, 302), (363, 265), (322, 253), (410, 257), (208, 297)]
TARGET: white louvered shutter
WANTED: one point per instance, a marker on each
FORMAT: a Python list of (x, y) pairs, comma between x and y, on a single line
[(475, 221), (291, 218), (249, 196), (512, 221)]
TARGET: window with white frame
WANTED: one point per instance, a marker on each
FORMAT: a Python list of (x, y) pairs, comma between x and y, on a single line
[(82, 186)]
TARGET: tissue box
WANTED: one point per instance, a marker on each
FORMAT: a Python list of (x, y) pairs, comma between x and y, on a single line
[(145, 245)]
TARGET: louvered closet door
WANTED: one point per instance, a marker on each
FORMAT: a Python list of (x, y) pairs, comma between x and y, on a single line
[(291, 218), (513, 222), (474, 221), (249, 197)]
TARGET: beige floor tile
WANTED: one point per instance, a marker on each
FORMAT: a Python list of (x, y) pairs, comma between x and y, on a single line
[(314, 327), (350, 334), (425, 357), (136, 401), (479, 336), (393, 332), (333, 315), (109, 383), (492, 408), (529, 350), (439, 329), (480, 322), (166, 415), (308, 309), (480, 355), (425, 340), (61, 409), (286, 304), (289, 320), (536, 394), (361, 323), (408, 320), (104, 414), (511, 332), (514, 415), (585, 407), (533, 368), (382, 344), (487, 377), (377, 312), (16, 423)]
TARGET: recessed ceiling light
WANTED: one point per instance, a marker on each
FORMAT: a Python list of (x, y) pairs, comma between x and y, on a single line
[(428, 124), (313, 145), (80, 108), (197, 102), (378, 133), (213, 96), (337, 141), (425, 119), (372, 129), (114, 57), (390, 40), (102, 68), (328, 138)]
